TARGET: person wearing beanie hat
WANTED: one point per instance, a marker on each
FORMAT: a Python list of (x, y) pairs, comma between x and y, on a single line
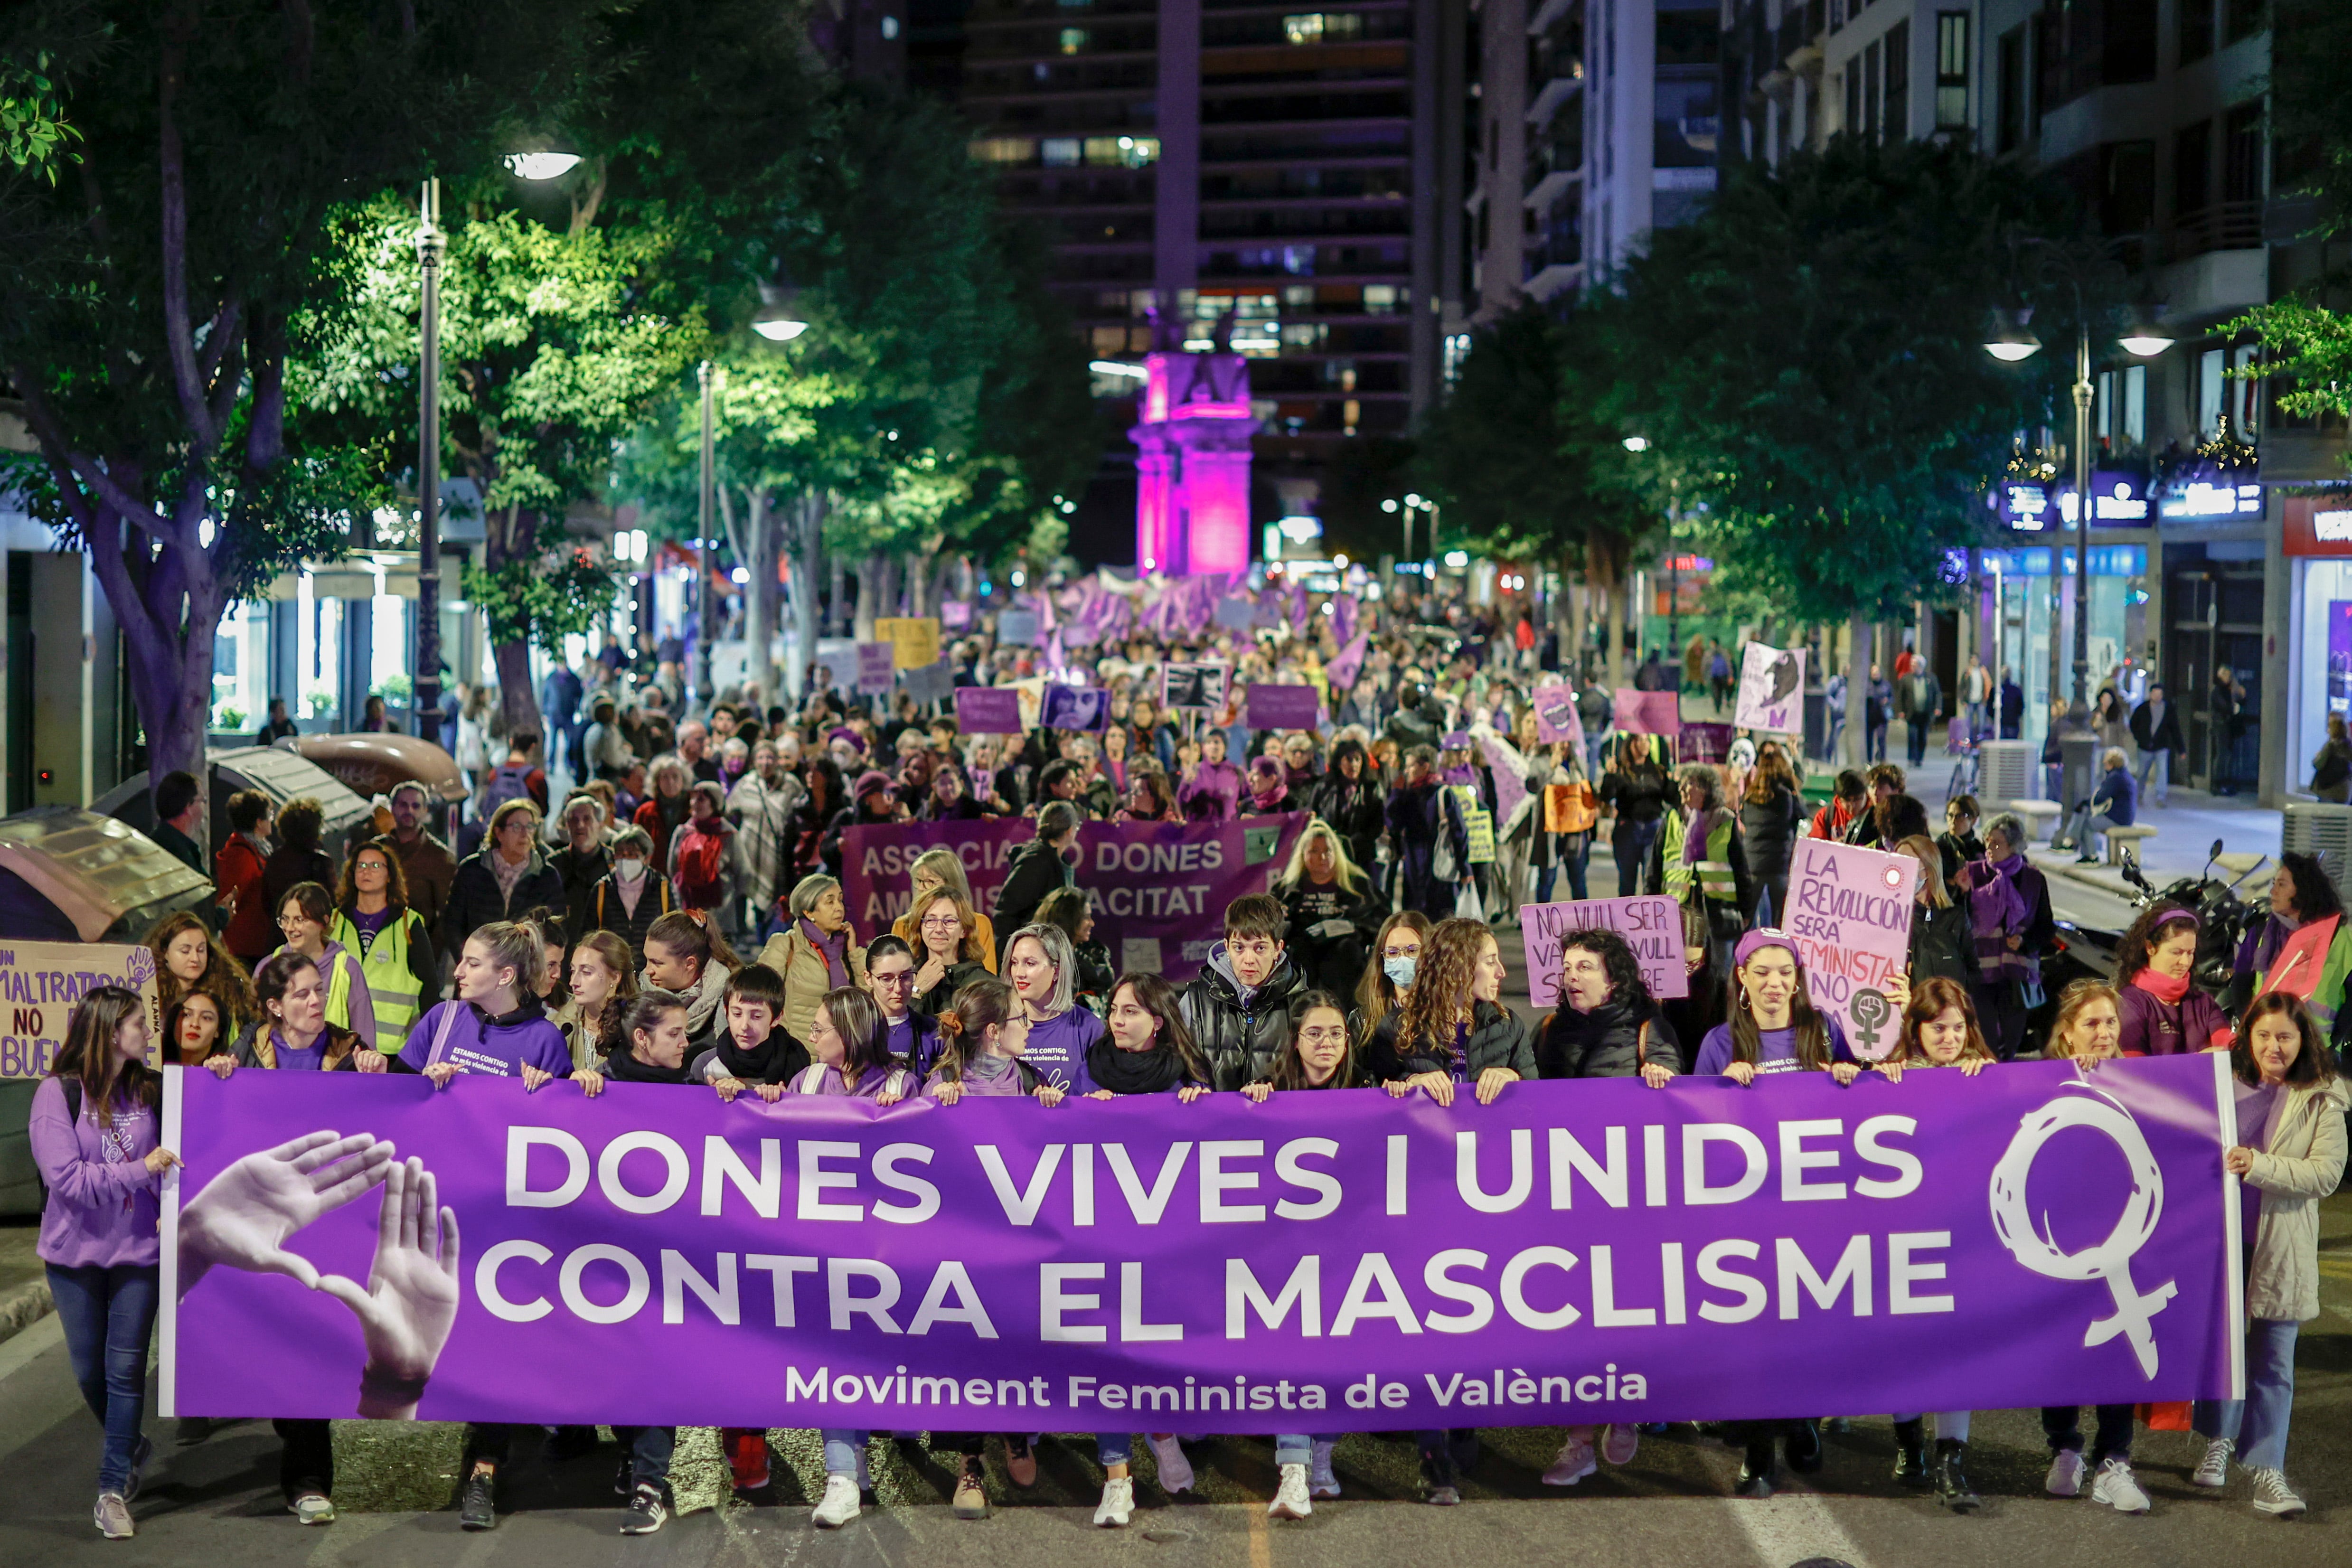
[(871, 803)]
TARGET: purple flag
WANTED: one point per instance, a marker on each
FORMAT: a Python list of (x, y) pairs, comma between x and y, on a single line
[(1282, 708), (1574, 1252), (988, 710), (1344, 666), (1343, 617)]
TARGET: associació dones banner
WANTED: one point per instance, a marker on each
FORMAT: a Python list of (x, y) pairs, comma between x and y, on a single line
[(1586, 1251)]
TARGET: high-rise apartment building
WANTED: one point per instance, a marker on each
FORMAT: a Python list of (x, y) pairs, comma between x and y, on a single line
[(1294, 168)]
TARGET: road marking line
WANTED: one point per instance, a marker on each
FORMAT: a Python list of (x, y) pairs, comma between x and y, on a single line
[(18, 1349), (1791, 1527), (1261, 1548)]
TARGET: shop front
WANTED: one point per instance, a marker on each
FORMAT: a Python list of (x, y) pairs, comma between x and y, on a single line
[(2030, 592), (2317, 542)]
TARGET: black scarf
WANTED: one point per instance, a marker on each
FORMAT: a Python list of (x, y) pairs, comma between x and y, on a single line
[(772, 1060), (1133, 1072), (624, 1067)]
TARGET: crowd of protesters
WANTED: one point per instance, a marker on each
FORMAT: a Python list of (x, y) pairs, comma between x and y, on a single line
[(680, 918)]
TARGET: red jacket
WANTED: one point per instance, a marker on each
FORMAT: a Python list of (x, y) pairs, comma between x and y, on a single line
[(238, 869)]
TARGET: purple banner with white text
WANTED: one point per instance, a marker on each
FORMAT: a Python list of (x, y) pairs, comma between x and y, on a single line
[(1159, 889), (1583, 1251)]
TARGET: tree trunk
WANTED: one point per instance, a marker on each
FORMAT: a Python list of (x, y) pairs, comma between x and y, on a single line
[(1857, 692), (508, 538), (839, 577), (807, 528), (517, 697)]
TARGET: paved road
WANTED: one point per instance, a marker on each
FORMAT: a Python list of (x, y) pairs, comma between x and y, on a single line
[(217, 1502)]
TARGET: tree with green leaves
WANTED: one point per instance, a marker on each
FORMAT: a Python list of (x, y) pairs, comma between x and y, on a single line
[(1526, 467), (1810, 353), (156, 299)]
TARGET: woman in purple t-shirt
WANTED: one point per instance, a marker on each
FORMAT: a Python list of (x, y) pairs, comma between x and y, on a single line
[(496, 1023), (94, 1135)]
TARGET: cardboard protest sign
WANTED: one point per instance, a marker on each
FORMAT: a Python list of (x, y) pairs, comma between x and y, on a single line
[(2296, 969), (875, 664), (1283, 708), (915, 639), (1850, 912), (1771, 689), (930, 684), (1509, 769), (956, 614), (1073, 707), (1478, 827), (1236, 614), (1017, 628), (41, 981), (1649, 713), (1193, 685), (1555, 716), (1652, 926), (838, 655), (988, 710)]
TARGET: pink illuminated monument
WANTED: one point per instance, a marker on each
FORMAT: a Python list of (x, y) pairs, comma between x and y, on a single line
[(1193, 458)]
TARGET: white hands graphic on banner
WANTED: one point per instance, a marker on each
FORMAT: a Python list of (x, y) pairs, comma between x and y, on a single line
[(2110, 1261)]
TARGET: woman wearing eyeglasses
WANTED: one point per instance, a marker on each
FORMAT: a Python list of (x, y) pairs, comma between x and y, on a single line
[(947, 949)]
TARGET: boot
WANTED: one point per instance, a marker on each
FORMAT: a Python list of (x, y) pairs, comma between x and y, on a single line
[(1911, 1452), (1952, 1489)]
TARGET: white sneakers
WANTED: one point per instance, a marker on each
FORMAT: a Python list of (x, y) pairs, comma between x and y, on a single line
[(1291, 1500), (1575, 1462), (2115, 1486), (1320, 1481), (2272, 1495), (113, 1516), (312, 1507), (839, 1505), (2213, 1469), (1175, 1471), (1620, 1442), (1118, 1505), (2065, 1478)]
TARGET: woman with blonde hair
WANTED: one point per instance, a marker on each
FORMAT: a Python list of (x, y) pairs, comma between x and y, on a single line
[(935, 869), (1943, 936), (1330, 907)]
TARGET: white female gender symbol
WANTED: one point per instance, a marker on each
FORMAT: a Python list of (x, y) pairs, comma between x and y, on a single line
[(2109, 1260)]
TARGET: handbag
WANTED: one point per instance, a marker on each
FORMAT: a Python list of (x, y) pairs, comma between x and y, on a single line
[(1569, 809)]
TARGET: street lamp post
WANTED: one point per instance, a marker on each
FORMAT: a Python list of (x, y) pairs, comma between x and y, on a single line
[(706, 506), (425, 696)]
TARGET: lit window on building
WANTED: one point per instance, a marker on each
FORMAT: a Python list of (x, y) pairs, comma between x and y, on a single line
[(1073, 39), (1381, 299), (1322, 28), (1004, 150), (1059, 152)]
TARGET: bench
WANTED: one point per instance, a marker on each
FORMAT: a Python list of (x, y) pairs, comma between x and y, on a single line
[(2040, 816), (2118, 838)]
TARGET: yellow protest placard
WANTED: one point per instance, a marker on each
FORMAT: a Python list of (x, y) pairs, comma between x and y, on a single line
[(914, 639)]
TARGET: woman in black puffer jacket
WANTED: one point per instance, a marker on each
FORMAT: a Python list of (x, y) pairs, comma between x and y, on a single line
[(1348, 796), (1608, 1026), (1770, 814)]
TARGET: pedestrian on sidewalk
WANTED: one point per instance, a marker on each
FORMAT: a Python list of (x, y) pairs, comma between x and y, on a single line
[(2156, 732), (95, 1135), (2294, 1157), (1923, 699), (2331, 767)]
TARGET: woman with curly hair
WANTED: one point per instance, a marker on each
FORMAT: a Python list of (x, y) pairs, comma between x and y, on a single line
[(189, 957), (1608, 1025), (2164, 1013)]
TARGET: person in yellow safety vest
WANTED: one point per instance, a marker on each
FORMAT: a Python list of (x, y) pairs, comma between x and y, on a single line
[(1704, 864), (398, 961), (303, 913)]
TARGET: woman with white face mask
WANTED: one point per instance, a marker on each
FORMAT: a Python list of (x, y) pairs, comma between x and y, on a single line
[(633, 896), (1387, 975)]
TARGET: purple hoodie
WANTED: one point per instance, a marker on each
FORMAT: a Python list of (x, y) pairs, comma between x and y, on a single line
[(479, 1043), (103, 1200)]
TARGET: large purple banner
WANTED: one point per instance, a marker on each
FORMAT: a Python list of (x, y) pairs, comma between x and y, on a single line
[(1576, 1252), (1159, 889)]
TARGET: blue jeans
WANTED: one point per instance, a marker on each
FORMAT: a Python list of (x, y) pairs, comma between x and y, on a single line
[(842, 1448), (1298, 1447), (2258, 1422), (107, 1313), (1114, 1447), (1632, 846), (2158, 765), (649, 1452)]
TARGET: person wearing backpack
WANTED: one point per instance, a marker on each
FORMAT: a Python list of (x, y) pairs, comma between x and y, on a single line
[(702, 863), (516, 779), (1923, 697)]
